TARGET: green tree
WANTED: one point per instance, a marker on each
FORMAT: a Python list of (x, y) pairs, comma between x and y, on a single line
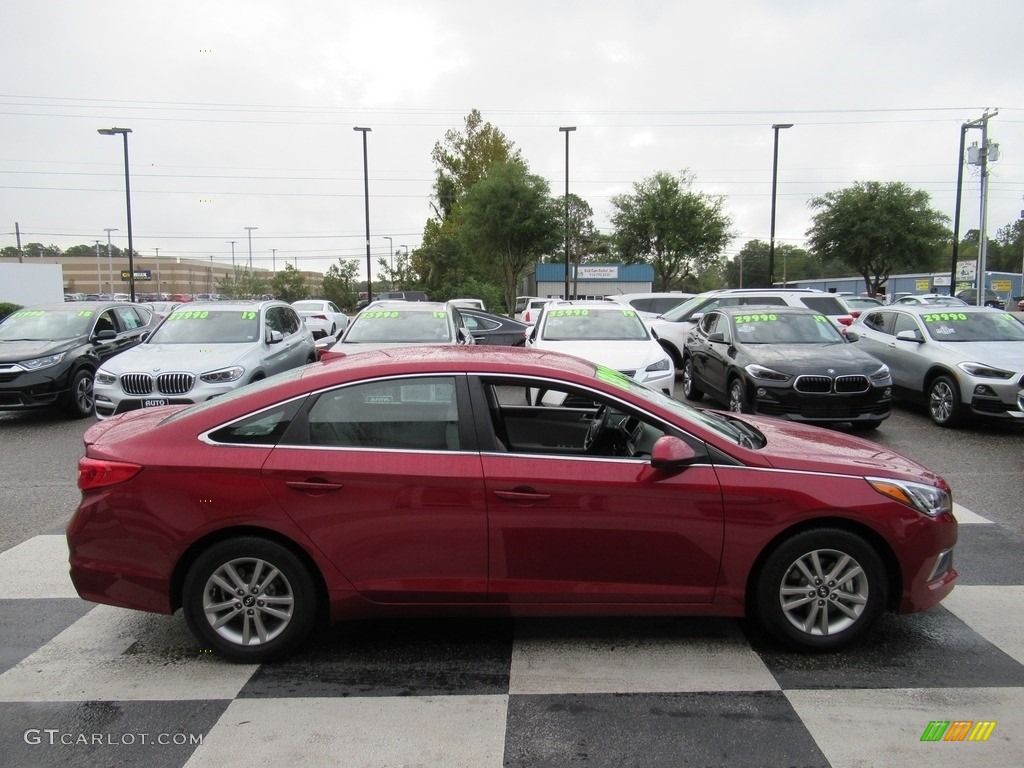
[(465, 157), (509, 220), (677, 231), (876, 229), (340, 284), (243, 284), (289, 284)]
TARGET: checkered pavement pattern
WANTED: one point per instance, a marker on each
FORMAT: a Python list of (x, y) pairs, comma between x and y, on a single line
[(83, 685)]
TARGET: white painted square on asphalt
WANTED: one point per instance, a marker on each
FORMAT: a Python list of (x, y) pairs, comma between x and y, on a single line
[(37, 568), (964, 516), (113, 654), (890, 724), (428, 731), (624, 664), (992, 613)]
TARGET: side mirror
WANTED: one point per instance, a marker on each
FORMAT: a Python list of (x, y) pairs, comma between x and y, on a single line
[(274, 337), (670, 452), (106, 335), (851, 335), (909, 336), (717, 336)]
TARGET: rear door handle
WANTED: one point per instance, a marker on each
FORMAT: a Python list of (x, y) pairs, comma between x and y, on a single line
[(522, 497)]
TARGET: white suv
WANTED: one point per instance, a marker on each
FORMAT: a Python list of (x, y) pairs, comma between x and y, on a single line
[(675, 325)]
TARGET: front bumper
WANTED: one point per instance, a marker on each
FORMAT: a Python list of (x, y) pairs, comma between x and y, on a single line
[(27, 390)]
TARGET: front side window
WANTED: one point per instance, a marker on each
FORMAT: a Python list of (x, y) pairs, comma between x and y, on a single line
[(414, 413)]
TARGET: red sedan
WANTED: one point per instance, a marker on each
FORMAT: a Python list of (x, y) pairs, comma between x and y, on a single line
[(495, 481)]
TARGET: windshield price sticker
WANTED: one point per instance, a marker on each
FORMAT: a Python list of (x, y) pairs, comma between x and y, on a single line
[(939, 317), (569, 312), (29, 313), (380, 315), (197, 314), (771, 318), (613, 377)]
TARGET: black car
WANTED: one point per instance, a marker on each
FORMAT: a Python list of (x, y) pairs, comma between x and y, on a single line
[(786, 362), (971, 297), (49, 353), (488, 328)]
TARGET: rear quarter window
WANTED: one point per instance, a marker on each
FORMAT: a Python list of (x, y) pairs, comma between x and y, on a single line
[(826, 305)]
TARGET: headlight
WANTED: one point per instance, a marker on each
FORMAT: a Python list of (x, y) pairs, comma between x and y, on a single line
[(42, 362), (760, 372), (927, 499), (104, 377), (662, 365), (882, 374), (983, 371), (220, 377)]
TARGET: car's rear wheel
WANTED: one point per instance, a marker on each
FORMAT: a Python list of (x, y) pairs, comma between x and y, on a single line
[(249, 599), (738, 397), (80, 398), (690, 389), (944, 401), (821, 589)]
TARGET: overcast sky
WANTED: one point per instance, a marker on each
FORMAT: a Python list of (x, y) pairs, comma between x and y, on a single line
[(242, 113)]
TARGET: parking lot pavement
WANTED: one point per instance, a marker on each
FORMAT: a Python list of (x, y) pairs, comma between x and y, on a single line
[(83, 684)]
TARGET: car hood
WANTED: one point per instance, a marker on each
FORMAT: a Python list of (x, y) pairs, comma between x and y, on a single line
[(802, 447), (618, 355), (16, 351), (798, 359), (1008, 355), (195, 358)]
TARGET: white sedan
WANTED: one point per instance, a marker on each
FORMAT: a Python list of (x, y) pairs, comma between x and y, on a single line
[(323, 318), (606, 333)]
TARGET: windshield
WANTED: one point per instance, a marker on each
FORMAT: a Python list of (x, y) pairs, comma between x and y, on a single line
[(46, 324), (973, 326), (582, 324), (399, 326), (208, 326), (728, 426), (772, 328), (682, 310)]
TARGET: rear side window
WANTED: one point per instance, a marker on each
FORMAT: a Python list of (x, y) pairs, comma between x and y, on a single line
[(826, 305)]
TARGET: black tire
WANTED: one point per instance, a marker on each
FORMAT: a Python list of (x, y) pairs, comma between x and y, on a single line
[(334, 329), (943, 400), (824, 614), (690, 389), (266, 620), (81, 402), (737, 396)]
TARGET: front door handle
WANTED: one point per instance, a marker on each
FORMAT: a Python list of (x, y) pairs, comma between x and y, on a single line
[(313, 486), (522, 497)]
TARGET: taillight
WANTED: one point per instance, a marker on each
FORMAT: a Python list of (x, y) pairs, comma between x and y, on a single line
[(319, 317), (845, 320), (95, 473)]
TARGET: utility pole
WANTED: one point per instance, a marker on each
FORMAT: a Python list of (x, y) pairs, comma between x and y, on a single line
[(981, 156), (17, 237)]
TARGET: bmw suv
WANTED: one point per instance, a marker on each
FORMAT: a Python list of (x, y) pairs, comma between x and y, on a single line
[(674, 326), (204, 350)]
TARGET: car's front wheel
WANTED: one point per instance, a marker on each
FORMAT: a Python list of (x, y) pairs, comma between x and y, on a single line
[(944, 401), (249, 599), (80, 398), (690, 389), (738, 397), (821, 589)]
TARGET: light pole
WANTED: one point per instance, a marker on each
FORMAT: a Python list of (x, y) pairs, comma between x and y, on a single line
[(249, 231), (775, 178), (110, 262), (567, 129), (391, 258), (128, 205), (366, 199), (273, 260), (234, 273), (99, 275), (159, 293)]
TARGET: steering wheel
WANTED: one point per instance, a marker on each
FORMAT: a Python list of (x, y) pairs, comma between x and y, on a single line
[(597, 425)]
